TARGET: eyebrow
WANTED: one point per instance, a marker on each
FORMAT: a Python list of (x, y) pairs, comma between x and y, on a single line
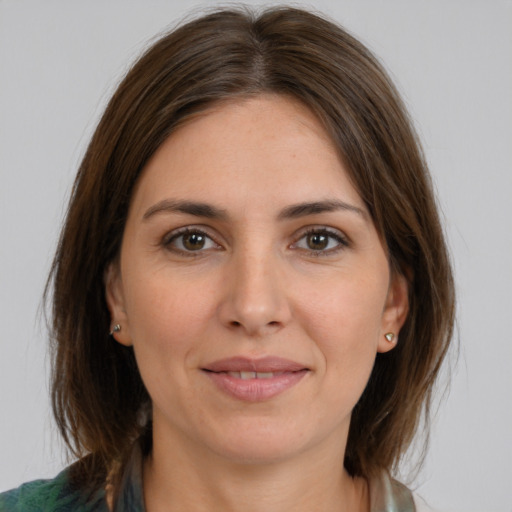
[(295, 211), (195, 208), (304, 209)]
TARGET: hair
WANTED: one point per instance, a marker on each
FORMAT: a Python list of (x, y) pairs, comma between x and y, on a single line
[(97, 392)]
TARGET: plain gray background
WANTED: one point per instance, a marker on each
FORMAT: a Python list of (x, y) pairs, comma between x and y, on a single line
[(452, 60)]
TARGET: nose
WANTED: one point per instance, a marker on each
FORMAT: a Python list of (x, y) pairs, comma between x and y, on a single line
[(254, 300)]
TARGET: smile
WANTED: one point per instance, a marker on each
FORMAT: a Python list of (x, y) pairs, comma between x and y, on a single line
[(255, 380)]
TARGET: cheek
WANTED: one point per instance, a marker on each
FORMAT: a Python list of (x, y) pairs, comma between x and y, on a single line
[(346, 342), (162, 305), (347, 311), (165, 324), (344, 321), (167, 320)]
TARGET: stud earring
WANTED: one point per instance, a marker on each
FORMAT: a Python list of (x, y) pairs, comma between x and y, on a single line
[(115, 329), (390, 336)]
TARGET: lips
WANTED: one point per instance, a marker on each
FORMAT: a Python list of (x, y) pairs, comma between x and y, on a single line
[(263, 365), (255, 380)]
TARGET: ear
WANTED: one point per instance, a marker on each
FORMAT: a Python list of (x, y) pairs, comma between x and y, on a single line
[(395, 311), (114, 295)]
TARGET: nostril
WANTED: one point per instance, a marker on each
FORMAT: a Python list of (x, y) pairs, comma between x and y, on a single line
[(273, 323)]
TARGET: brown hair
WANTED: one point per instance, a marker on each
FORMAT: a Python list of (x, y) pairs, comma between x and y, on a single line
[(96, 389)]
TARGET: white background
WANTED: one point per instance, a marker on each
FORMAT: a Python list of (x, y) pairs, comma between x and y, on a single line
[(452, 60)]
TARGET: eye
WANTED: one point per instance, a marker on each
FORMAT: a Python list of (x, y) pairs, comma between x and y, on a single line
[(189, 241), (321, 241)]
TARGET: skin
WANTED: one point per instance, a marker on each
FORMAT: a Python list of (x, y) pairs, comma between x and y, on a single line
[(258, 286)]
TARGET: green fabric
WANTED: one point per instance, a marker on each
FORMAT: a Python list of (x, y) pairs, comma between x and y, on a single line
[(58, 495), (51, 496)]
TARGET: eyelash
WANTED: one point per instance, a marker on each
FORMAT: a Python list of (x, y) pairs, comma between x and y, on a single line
[(341, 241), (168, 240)]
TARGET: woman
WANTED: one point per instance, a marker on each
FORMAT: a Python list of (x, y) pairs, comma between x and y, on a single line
[(252, 296)]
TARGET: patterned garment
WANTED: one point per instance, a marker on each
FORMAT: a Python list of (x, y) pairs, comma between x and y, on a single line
[(57, 495)]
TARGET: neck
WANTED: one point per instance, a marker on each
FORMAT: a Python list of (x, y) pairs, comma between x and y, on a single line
[(178, 479)]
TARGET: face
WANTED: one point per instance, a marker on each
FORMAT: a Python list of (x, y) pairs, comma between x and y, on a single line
[(253, 285)]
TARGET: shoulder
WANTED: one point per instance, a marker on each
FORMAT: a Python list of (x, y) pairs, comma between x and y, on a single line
[(421, 505), (55, 495), (389, 495)]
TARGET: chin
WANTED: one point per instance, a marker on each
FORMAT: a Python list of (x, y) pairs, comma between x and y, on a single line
[(258, 452), (265, 443)]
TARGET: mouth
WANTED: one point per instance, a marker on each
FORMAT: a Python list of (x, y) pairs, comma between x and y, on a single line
[(255, 380), (245, 375)]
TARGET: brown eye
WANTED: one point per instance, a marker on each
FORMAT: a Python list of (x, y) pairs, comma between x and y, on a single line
[(317, 241), (189, 241), (321, 241), (194, 241)]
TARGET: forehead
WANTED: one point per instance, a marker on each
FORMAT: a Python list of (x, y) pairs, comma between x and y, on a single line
[(246, 150)]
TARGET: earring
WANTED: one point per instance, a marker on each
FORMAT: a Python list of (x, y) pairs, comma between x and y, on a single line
[(390, 336), (115, 329)]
